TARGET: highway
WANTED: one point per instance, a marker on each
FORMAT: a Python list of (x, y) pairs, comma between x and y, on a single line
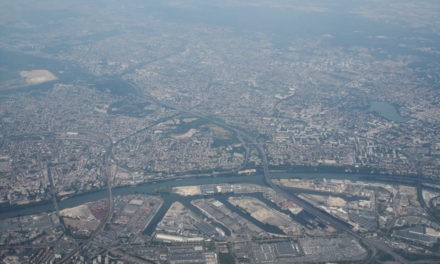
[(372, 245), (106, 168), (53, 192)]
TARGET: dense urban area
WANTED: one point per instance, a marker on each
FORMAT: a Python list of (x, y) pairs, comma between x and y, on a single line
[(219, 131)]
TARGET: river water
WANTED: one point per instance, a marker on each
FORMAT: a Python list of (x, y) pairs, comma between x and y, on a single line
[(146, 188), (162, 188)]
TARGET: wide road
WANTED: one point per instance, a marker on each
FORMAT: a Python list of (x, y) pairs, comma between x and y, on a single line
[(107, 171), (373, 245)]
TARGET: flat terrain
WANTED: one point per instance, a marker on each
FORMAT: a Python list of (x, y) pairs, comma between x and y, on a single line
[(37, 76)]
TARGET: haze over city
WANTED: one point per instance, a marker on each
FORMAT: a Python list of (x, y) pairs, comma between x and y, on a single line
[(265, 131)]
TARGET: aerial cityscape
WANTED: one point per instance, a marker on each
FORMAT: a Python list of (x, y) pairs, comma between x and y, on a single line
[(190, 131)]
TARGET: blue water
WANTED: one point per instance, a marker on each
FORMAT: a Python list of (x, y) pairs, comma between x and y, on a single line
[(387, 110)]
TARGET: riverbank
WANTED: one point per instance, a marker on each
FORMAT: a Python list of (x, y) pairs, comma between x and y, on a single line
[(162, 186)]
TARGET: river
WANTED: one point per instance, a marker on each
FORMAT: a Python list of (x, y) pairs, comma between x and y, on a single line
[(146, 188), (157, 187)]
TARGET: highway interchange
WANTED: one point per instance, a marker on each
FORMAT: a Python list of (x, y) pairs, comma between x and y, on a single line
[(373, 245)]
